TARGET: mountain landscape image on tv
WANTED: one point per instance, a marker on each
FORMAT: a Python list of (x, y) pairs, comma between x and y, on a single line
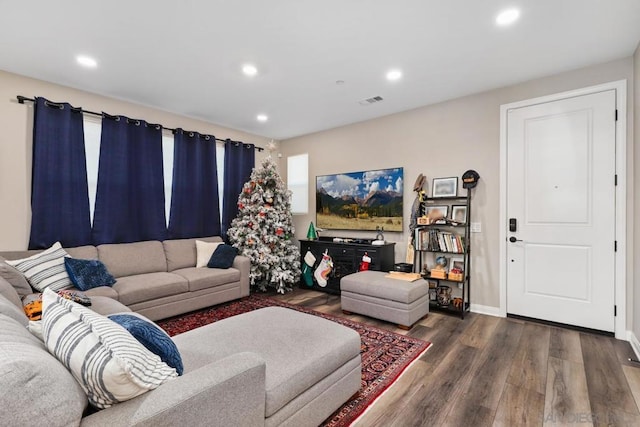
[(369, 200)]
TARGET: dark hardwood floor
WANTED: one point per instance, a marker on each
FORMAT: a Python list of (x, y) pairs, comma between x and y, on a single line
[(490, 371)]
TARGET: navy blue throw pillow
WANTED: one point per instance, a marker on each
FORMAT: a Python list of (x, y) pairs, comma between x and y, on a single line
[(222, 257), (88, 273), (152, 337)]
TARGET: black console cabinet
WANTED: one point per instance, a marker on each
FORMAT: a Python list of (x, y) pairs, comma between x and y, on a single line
[(346, 259)]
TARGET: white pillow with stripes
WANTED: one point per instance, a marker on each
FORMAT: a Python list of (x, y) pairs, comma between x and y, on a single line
[(46, 269), (107, 361)]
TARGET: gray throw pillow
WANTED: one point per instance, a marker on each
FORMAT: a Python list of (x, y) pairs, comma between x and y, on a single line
[(15, 277)]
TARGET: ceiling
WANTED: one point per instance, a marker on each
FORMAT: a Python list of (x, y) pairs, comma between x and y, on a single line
[(186, 57)]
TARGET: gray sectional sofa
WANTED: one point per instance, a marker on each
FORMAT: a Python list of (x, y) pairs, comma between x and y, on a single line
[(159, 279), (269, 367)]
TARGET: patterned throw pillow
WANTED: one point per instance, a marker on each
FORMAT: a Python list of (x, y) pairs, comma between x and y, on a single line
[(88, 273), (222, 257), (109, 364), (150, 335), (46, 269)]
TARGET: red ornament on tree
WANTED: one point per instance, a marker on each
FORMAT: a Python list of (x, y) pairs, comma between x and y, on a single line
[(279, 231)]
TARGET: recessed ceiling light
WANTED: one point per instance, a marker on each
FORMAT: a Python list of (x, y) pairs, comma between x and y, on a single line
[(249, 70), (262, 118), (86, 61), (394, 75), (507, 17)]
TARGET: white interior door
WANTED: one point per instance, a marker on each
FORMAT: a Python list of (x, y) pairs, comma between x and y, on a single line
[(561, 193)]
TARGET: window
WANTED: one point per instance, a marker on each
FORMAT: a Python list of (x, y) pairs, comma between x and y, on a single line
[(298, 182)]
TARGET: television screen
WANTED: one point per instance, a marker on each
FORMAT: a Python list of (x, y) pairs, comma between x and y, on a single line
[(369, 200)]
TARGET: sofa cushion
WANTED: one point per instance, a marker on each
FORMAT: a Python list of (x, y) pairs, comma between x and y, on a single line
[(110, 365), (222, 257), (150, 335), (204, 250), (10, 293), (9, 309), (128, 259), (106, 306), (145, 287), (83, 252), (35, 389), (181, 253), (102, 291), (45, 269), (315, 347), (15, 278), (88, 273), (204, 278)]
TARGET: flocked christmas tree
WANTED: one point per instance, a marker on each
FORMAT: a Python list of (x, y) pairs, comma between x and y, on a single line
[(263, 229)]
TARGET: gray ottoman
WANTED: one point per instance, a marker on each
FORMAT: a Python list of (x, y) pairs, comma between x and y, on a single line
[(374, 295)]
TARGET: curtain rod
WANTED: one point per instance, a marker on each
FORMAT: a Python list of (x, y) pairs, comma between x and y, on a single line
[(22, 99)]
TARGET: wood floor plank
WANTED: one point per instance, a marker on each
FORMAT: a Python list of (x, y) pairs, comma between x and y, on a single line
[(609, 391), (491, 371), (529, 368), (565, 344), (397, 397), (519, 406), (479, 331), (431, 403), (567, 397), (632, 374)]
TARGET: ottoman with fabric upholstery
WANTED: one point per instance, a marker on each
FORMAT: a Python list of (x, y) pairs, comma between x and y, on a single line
[(374, 295)]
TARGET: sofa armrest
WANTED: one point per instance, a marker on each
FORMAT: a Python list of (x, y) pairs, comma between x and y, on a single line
[(228, 392), (243, 264)]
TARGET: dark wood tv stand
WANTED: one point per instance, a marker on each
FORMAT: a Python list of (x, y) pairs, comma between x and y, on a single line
[(346, 258)]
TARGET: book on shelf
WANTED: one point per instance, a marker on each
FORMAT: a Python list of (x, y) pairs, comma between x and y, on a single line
[(436, 240)]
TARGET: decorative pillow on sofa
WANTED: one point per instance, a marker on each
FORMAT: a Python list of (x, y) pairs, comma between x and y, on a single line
[(222, 257), (204, 250), (110, 365), (15, 278), (150, 335), (88, 273), (46, 269)]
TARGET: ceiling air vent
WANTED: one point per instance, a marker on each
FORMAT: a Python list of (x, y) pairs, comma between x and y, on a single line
[(372, 100)]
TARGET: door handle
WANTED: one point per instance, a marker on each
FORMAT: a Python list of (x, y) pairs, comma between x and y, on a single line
[(513, 239)]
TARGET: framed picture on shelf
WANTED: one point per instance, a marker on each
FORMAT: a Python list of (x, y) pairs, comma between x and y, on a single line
[(456, 263), (459, 213), (445, 187), (436, 212)]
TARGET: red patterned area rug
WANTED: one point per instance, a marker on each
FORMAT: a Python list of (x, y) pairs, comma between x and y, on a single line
[(385, 354)]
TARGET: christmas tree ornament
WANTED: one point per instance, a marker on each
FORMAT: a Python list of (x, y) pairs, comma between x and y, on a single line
[(324, 269), (311, 232), (364, 264)]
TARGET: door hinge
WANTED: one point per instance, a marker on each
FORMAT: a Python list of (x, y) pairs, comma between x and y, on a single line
[(615, 310), (615, 246), (615, 179), (616, 115)]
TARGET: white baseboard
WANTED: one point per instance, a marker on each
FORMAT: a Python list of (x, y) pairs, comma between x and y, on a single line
[(635, 344), (486, 309)]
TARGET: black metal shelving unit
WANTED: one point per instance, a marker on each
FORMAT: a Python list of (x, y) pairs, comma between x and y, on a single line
[(459, 234)]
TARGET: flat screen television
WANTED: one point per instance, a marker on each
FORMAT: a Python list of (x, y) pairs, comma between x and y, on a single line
[(369, 200)]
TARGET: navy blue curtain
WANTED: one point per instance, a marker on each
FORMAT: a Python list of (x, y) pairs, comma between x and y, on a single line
[(195, 208), (59, 193), (130, 194), (239, 160)]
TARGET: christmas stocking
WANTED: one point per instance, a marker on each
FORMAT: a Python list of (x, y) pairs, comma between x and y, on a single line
[(323, 270), (307, 268), (364, 264)]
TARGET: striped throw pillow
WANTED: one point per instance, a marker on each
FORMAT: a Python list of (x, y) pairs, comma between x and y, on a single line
[(105, 359), (46, 269)]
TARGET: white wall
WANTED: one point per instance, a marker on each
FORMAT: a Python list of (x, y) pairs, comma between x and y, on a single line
[(16, 145), (445, 140)]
